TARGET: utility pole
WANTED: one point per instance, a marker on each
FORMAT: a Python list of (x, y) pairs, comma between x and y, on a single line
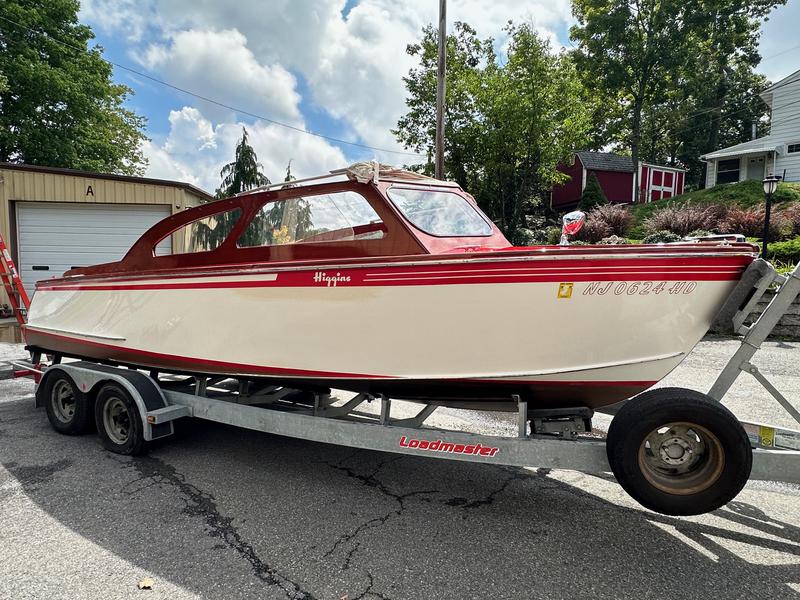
[(440, 89)]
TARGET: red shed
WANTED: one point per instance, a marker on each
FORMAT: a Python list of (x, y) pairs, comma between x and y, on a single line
[(614, 172)]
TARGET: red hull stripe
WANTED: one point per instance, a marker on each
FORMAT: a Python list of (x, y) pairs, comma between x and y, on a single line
[(206, 365), (701, 268), (363, 278)]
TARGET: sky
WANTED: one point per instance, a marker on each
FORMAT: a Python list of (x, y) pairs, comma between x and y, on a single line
[(284, 67)]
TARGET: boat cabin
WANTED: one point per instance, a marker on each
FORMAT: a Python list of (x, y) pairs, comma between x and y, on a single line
[(363, 211)]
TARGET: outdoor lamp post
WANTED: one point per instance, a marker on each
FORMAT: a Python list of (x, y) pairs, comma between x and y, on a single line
[(770, 185)]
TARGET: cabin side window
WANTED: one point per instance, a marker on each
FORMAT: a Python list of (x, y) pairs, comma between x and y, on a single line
[(335, 217), (201, 235)]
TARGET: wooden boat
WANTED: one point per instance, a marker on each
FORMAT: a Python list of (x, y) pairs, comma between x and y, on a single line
[(388, 282)]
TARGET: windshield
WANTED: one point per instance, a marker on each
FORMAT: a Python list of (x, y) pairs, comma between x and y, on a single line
[(440, 213)]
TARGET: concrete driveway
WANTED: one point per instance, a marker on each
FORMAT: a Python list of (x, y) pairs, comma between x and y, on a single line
[(224, 513)]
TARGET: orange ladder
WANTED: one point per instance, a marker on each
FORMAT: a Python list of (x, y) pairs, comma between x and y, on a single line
[(17, 296)]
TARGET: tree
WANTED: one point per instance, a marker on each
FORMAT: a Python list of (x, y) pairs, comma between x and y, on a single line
[(627, 49), (289, 177), (58, 103), (244, 173), (592, 195), (676, 78), (288, 220), (720, 86), (507, 126), (241, 175)]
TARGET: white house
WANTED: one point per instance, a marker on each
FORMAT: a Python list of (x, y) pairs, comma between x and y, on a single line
[(769, 155)]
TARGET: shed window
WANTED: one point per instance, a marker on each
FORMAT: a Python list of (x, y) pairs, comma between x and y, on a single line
[(728, 171), (792, 148), (201, 235), (336, 217)]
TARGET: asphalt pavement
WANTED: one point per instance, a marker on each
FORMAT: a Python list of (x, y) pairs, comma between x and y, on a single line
[(219, 512)]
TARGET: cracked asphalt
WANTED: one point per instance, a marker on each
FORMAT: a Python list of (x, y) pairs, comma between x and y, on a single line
[(219, 512)]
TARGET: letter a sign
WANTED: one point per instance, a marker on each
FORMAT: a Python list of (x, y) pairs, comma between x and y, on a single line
[(89, 191)]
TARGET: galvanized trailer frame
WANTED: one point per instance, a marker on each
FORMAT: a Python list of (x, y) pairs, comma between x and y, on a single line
[(760, 277), (274, 410), (554, 439)]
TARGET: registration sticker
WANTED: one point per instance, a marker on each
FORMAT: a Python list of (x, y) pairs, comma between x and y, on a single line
[(565, 290)]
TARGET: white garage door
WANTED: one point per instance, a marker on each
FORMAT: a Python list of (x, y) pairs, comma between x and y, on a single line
[(54, 237)]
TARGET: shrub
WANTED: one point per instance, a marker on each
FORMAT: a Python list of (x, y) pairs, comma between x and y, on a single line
[(684, 218), (553, 236), (750, 223), (792, 217), (637, 232), (525, 237), (661, 237), (616, 216), (592, 195), (593, 231), (699, 233), (785, 252)]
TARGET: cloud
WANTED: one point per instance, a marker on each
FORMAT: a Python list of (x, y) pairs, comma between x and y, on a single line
[(242, 53), (359, 78), (352, 63), (111, 16), (195, 150), (219, 65)]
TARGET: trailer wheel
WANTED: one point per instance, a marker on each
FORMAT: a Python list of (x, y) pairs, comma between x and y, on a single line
[(68, 410), (119, 424), (678, 452)]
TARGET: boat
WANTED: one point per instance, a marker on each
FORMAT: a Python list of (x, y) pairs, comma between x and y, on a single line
[(387, 282)]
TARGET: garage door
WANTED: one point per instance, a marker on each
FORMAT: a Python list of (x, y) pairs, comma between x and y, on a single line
[(54, 237)]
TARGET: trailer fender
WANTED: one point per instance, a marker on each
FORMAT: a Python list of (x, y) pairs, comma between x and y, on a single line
[(90, 377)]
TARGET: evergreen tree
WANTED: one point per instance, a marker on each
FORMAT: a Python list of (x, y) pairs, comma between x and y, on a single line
[(592, 195), (244, 173), (241, 175)]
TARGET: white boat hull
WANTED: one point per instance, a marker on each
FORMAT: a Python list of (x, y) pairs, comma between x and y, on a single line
[(567, 333)]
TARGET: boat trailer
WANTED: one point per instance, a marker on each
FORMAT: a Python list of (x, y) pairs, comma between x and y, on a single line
[(557, 439)]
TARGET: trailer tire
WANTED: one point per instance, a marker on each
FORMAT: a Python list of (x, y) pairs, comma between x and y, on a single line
[(118, 421), (678, 452), (68, 410)]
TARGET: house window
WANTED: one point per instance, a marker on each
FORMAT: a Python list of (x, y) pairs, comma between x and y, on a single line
[(336, 217), (791, 148), (728, 171)]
